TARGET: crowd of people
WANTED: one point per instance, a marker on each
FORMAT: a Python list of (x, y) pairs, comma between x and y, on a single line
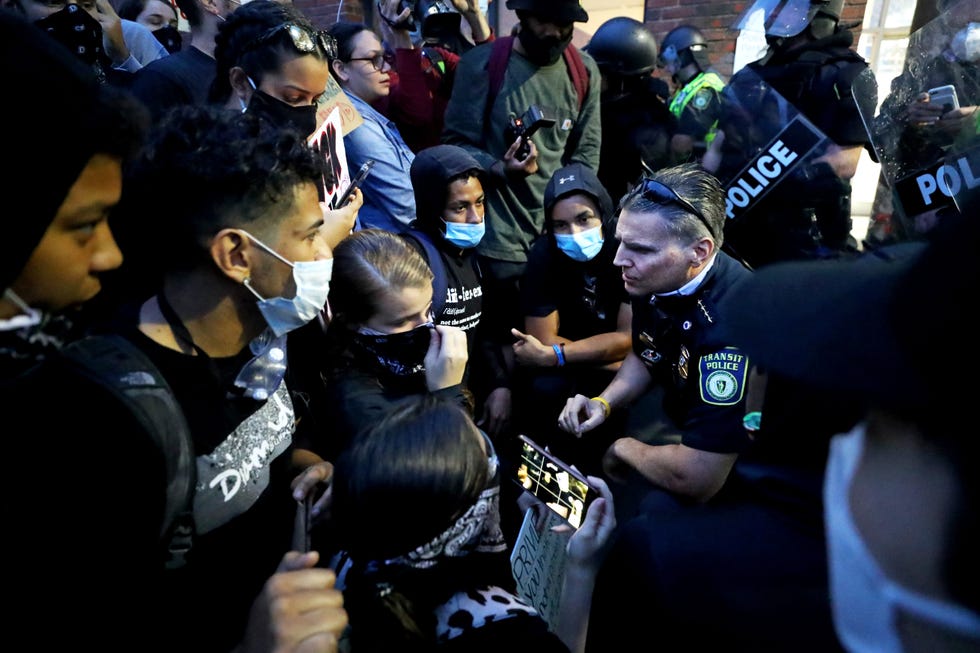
[(278, 425)]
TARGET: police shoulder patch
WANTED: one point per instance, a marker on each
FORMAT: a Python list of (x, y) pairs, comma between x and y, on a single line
[(723, 374), (702, 98)]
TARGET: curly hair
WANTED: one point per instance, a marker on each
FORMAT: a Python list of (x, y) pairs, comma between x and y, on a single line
[(223, 169), (244, 40)]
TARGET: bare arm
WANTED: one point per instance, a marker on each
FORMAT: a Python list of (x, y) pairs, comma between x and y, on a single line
[(609, 347)]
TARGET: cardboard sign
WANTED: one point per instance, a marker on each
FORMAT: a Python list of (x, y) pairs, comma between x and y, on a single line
[(329, 141), (335, 98), (538, 564)]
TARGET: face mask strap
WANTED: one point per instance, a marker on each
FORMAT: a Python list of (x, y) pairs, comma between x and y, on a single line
[(267, 249)]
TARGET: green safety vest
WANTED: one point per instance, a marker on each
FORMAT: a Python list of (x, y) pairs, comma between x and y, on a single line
[(684, 95)]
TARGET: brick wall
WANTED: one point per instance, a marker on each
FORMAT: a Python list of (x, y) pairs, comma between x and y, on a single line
[(714, 18)]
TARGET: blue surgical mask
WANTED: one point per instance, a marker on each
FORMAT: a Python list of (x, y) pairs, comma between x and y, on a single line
[(582, 245), (464, 235), (865, 601), (312, 280)]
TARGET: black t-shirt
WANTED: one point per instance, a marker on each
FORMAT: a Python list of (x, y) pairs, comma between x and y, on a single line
[(588, 295)]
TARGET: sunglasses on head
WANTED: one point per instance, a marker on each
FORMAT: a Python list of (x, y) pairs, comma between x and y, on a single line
[(303, 40), (661, 194)]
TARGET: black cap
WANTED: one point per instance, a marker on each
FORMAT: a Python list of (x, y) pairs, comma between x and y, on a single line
[(431, 171), (558, 11), (577, 178)]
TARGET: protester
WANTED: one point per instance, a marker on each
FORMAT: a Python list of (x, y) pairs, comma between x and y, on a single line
[(382, 344), (416, 502), (53, 257), (449, 194), (541, 69), (577, 317)]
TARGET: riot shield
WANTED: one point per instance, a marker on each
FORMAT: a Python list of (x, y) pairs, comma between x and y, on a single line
[(778, 191), (926, 133)]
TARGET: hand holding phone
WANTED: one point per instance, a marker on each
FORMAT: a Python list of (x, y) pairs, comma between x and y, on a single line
[(561, 488), (944, 96), (355, 182)]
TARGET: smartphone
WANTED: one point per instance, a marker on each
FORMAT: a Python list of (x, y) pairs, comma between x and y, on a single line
[(946, 96), (355, 182), (302, 524), (555, 483)]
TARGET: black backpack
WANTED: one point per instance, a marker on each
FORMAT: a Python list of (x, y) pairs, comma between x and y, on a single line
[(126, 373)]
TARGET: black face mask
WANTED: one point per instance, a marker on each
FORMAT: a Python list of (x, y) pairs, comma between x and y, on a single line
[(77, 31), (170, 37), (401, 354), (283, 115), (543, 51)]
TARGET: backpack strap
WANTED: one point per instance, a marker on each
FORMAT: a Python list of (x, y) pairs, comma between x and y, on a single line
[(440, 282), (123, 370), (578, 73)]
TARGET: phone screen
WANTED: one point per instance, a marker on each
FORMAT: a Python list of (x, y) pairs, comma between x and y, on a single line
[(552, 481)]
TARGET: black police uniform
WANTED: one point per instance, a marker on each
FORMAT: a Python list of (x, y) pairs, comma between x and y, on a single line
[(808, 215), (703, 377)]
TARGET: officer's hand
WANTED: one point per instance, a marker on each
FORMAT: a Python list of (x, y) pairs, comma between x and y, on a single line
[(581, 414)]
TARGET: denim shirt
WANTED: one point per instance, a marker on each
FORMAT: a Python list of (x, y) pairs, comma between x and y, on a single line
[(389, 200)]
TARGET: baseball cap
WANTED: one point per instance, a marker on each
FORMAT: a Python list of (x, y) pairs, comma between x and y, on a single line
[(558, 11)]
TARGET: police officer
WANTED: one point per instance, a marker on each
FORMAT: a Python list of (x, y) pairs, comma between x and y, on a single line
[(636, 124), (810, 63), (670, 234), (697, 101)]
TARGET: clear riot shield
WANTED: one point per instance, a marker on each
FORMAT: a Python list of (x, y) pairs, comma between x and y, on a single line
[(779, 199), (926, 133)]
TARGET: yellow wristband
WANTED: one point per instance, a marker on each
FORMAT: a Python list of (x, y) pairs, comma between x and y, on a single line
[(606, 408)]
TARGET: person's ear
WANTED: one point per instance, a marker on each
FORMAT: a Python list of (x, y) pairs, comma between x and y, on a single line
[(339, 69), (240, 86), (702, 250), (233, 252)]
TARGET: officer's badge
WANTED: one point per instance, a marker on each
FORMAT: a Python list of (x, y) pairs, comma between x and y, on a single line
[(723, 376), (701, 100), (682, 362), (651, 356)]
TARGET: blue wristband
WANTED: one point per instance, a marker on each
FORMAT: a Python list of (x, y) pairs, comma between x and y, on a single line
[(560, 354)]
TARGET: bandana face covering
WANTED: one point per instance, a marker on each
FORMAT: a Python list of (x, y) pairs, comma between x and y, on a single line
[(543, 51), (77, 31), (402, 354)]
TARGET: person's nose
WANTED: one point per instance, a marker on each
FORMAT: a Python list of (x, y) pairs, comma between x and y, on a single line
[(620, 258), (107, 255)]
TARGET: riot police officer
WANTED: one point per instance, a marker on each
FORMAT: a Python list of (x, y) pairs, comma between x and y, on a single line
[(810, 65), (636, 124), (697, 101)]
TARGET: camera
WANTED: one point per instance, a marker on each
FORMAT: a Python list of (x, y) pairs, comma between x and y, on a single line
[(524, 127)]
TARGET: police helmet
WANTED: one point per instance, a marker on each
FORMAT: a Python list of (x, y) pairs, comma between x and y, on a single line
[(785, 18), (623, 46), (683, 45)]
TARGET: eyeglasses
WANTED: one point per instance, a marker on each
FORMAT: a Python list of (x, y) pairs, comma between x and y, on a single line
[(377, 61), (661, 194), (303, 40)]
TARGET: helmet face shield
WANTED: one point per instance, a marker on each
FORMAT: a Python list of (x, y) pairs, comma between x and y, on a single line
[(781, 18)]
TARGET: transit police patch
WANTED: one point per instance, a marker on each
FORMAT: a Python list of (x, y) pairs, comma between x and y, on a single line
[(723, 375)]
